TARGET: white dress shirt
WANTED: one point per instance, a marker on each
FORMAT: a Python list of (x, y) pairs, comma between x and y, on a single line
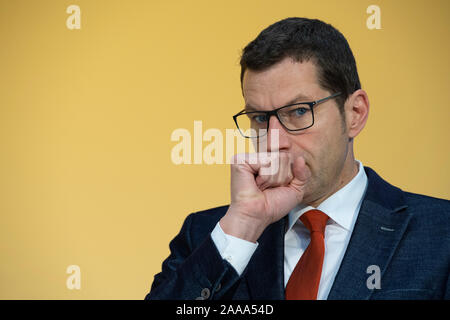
[(342, 208)]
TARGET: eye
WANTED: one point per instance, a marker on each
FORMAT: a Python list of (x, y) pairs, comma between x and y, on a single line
[(298, 112), (260, 118)]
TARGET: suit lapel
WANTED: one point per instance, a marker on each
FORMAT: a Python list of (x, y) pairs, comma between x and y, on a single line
[(265, 272), (379, 228)]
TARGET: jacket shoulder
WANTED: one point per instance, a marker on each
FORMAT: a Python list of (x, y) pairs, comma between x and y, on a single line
[(428, 213), (421, 198), (383, 193), (209, 216), (430, 218), (422, 203), (203, 222)]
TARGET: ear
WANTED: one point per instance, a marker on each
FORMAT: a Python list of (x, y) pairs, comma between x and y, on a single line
[(356, 112)]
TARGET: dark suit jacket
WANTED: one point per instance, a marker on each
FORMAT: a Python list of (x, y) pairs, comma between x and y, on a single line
[(406, 235)]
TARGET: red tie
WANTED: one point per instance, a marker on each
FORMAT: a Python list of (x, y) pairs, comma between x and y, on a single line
[(304, 281)]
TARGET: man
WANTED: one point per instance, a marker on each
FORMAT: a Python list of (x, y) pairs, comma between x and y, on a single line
[(322, 226)]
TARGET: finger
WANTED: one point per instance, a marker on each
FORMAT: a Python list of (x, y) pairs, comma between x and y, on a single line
[(281, 177), (284, 175), (260, 180)]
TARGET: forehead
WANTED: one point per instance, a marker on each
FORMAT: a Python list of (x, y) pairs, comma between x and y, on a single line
[(281, 84)]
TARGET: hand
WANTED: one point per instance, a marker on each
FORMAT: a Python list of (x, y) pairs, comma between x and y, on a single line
[(261, 196)]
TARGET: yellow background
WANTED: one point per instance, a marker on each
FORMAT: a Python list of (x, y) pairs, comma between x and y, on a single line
[(86, 117)]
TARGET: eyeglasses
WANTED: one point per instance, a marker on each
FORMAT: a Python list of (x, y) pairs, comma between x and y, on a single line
[(293, 117)]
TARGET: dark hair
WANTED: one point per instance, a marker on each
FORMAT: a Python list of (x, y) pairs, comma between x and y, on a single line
[(305, 39)]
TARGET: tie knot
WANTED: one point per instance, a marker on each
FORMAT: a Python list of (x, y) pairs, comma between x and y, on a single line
[(315, 220)]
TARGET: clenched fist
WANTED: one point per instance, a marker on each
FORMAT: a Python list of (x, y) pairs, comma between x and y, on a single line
[(264, 188)]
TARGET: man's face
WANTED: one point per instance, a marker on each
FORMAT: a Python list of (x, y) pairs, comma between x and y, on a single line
[(325, 145)]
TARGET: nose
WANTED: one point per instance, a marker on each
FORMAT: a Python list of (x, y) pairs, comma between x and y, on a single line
[(277, 136)]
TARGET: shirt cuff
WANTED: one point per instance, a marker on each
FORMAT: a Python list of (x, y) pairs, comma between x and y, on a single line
[(234, 250)]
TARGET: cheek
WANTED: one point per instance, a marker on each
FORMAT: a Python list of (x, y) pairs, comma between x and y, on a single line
[(322, 150), (307, 145)]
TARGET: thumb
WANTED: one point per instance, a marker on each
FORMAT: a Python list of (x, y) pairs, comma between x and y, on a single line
[(301, 172)]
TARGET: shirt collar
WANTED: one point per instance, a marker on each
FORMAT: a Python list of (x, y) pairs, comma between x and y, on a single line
[(343, 206)]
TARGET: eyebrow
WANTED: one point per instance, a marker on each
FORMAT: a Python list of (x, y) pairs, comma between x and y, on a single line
[(298, 98)]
